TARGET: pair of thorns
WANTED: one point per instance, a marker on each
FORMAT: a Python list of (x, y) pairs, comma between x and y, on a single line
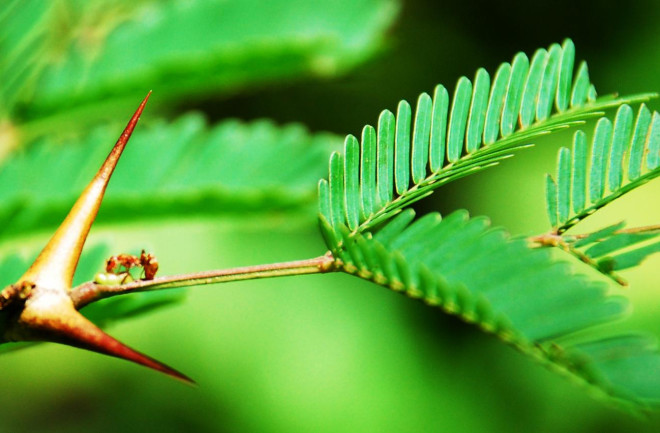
[(39, 306)]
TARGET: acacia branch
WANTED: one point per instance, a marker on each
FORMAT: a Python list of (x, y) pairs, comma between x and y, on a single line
[(90, 291)]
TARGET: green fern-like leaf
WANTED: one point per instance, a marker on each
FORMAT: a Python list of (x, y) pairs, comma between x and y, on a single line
[(522, 295), (622, 156), (172, 169), (403, 160)]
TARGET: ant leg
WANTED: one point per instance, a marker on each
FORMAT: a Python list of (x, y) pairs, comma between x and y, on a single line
[(127, 277)]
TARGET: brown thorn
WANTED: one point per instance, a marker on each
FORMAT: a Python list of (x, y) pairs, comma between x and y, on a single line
[(63, 324), (58, 260)]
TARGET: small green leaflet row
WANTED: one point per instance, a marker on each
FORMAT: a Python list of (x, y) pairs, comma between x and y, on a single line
[(182, 167), (403, 160), (614, 248), (520, 294), (616, 251), (620, 157)]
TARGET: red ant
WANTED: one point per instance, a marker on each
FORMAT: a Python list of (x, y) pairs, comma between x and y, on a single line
[(123, 263)]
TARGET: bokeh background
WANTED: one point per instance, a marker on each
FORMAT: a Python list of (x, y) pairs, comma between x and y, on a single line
[(323, 353)]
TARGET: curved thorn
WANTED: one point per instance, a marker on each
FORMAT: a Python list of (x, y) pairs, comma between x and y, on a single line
[(48, 313), (51, 316), (58, 260)]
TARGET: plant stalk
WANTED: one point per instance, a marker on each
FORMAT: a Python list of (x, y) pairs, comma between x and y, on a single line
[(89, 292)]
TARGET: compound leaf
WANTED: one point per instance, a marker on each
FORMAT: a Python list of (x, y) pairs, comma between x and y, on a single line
[(522, 295), (484, 123), (622, 158)]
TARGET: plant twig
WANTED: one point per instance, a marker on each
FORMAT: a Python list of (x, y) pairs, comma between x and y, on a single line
[(89, 292), (643, 229), (564, 242), (552, 239)]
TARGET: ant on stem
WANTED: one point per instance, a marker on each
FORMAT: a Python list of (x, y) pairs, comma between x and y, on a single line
[(118, 268)]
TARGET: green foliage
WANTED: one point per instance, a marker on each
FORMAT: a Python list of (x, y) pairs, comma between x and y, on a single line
[(170, 169), (97, 58), (622, 157), (72, 56), (391, 167), (614, 249), (522, 295)]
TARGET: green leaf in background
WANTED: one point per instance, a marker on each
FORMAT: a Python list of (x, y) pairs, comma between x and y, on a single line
[(93, 57), (519, 109), (169, 170), (522, 295), (622, 156)]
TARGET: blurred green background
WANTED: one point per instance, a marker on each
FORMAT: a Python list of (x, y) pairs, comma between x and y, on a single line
[(323, 353)]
